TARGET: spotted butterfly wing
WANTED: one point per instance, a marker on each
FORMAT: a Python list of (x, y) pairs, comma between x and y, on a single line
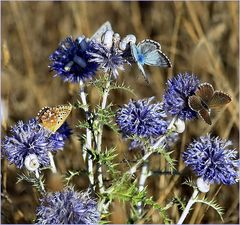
[(101, 31), (53, 118)]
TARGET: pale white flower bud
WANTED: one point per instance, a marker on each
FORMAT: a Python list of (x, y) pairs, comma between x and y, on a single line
[(179, 126), (31, 162), (129, 38), (202, 185)]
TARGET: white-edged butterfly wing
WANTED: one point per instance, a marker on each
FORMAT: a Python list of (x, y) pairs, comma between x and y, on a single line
[(101, 31)]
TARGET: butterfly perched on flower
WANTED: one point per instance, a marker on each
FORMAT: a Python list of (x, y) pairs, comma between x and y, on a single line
[(98, 35), (148, 52), (205, 99), (52, 118)]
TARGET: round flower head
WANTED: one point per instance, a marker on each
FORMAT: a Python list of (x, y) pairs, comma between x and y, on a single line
[(67, 207), (141, 118), (25, 139), (110, 60), (71, 60), (212, 159), (179, 89), (61, 135)]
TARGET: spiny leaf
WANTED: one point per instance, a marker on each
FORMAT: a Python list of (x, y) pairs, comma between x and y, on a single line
[(122, 87), (212, 203)]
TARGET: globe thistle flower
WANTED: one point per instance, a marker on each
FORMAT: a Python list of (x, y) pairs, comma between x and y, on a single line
[(179, 89), (169, 141), (67, 207), (110, 60), (71, 60), (26, 139), (141, 118), (212, 159), (61, 135)]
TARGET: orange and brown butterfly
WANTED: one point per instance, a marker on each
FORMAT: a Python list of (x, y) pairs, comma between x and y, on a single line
[(52, 118), (205, 99)]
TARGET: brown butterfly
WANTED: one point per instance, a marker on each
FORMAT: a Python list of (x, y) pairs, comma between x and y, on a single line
[(52, 118), (205, 99)]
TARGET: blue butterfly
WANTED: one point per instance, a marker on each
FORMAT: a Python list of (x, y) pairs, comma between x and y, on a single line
[(148, 52)]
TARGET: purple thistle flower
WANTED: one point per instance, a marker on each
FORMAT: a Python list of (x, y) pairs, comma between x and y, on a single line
[(212, 159), (61, 135), (168, 142), (28, 138), (141, 118), (67, 207), (176, 96), (71, 60), (110, 60)]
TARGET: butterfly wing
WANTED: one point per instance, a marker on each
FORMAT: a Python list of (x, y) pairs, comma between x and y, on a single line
[(194, 103), (205, 92), (135, 53), (101, 31), (147, 46), (53, 118), (153, 56), (205, 115), (219, 99)]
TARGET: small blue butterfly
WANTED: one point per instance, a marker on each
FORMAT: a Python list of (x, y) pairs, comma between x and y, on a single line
[(148, 52)]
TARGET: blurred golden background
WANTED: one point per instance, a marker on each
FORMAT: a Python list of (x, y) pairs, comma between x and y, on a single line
[(198, 37)]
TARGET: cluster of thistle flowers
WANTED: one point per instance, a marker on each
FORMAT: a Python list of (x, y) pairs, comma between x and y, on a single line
[(78, 60)]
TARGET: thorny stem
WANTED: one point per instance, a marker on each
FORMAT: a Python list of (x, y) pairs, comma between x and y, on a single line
[(52, 163), (88, 144), (99, 137), (154, 147), (143, 177), (144, 172), (191, 201), (38, 177)]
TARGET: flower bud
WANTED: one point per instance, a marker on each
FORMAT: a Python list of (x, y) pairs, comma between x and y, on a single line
[(31, 162), (179, 126), (202, 185), (129, 38)]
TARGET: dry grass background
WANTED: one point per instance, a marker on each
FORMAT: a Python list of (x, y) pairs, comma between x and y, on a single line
[(199, 37)]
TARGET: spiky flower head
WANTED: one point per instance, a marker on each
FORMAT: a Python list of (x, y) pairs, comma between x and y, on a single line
[(212, 159), (179, 89), (61, 135), (110, 60), (71, 60), (141, 118), (28, 138), (67, 207)]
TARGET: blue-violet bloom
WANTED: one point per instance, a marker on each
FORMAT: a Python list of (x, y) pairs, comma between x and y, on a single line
[(110, 60), (142, 118), (67, 207), (28, 138), (71, 60), (61, 135), (179, 89), (212, 159)]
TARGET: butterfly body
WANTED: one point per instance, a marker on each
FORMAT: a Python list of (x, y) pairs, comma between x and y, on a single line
[(205, 99), (52, 118), (148, 52)]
